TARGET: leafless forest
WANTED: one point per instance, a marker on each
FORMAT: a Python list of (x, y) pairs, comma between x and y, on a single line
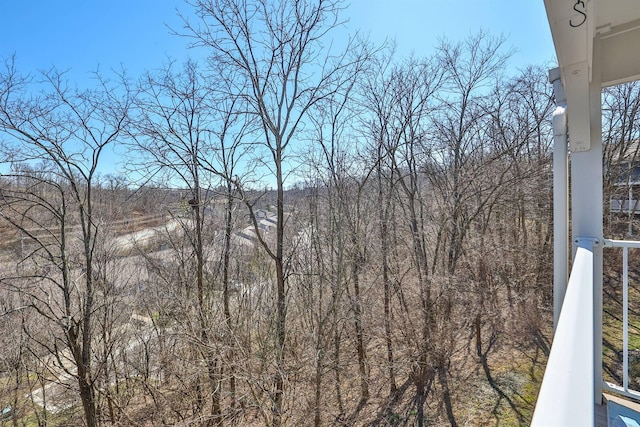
[(304, 232)]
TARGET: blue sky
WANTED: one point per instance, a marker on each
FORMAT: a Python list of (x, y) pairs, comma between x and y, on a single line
[(417, 24), (82, 34)]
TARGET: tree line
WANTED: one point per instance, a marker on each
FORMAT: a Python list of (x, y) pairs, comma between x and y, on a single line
[(399, 267)]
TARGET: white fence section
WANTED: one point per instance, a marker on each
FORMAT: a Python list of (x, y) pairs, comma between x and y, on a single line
[(624, 387), (566, 395)]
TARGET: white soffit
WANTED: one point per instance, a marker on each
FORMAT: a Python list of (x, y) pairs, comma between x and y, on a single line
[(575, 24)]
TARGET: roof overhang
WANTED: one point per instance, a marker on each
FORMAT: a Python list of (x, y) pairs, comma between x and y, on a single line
[(593, 35), (616, 23)]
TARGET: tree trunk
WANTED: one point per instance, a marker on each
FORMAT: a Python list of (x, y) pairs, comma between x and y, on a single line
[(446, 394), (281, 296), (384, 252), (357, 318), (228, 229)]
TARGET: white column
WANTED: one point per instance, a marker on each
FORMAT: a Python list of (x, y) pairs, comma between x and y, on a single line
[(596, 138), (560, 197), (585, 122)]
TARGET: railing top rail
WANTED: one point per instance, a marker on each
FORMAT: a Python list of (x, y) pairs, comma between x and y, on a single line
[(566, 395), (612, 243)]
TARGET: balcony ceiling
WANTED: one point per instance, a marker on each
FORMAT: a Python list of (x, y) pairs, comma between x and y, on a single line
[(575, 24)]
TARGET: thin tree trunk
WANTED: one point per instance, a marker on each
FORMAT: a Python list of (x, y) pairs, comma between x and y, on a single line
[(228, 229), (317, 410), (384, 246), (281, 296), (357, 318), (446, 394), (336, 369)]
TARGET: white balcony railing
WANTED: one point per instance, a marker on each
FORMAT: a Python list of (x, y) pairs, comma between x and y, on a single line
[(624, 387), (566, 395), (624, 205)]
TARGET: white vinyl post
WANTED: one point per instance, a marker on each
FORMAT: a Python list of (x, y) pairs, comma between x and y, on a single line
[(583, 89), (560, 197)]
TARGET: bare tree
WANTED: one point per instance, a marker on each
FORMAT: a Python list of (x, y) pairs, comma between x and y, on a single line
[(189, 130), (401, 99), (171, 133), (275, 50), (67, 129), (344, 176)]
